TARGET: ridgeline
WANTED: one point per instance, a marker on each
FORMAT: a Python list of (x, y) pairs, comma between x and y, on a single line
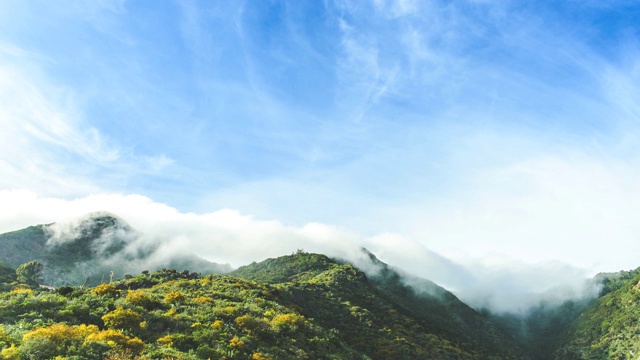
[(300, 306)]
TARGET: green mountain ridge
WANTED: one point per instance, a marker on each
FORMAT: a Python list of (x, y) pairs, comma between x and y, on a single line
[(88, 251), (434, 324), (304, 306), (609, 328), (292, 307)]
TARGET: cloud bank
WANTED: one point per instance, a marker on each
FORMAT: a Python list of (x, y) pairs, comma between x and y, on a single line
[(226, 236)]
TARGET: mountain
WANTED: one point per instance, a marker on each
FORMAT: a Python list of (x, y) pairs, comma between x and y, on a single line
[(540, 330), (380, 316), (291, 307), (301, 306), (609, 327), (86, 252), (602, 328)]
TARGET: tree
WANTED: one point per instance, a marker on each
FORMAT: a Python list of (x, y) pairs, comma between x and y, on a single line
[(7, 274), (30, 273)]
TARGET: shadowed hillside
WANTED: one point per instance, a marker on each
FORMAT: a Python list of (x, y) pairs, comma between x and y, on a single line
[(381, 316), (609, 328), (88, 251)]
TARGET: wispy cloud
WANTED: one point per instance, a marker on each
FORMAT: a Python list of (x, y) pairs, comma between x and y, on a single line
[(470, 128), (46, 143), (362, 79)]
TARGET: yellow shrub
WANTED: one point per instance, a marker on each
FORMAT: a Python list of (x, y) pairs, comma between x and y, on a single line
[(259, 356), (105, 289), (236, 343), (121, 318), (59, 333), (175, 297), (284, 320), (166, 341), (217, 324), (4, 337), (116, 339), (139, 298), (10, 353), (226, 312), (203, 300), (22, 290)]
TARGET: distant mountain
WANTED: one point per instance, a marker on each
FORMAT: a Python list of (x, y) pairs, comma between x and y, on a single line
[(88, 251), (296, 306), (380, 316)]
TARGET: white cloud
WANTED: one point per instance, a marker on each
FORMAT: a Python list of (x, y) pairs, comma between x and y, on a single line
[(226, 236), (362, 79), (396, 8), (47, 145), (573, 208)]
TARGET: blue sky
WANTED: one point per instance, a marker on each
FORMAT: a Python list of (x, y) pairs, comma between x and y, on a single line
[(471, 128)]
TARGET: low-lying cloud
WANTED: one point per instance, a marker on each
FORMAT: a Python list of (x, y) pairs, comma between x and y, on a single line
[(228, 237)]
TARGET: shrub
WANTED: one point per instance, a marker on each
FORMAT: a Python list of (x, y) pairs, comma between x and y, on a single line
[(166, 341), (121, 318), (105, 289), (30, 273), (259, 356), (140, 298), (116, 339), (175, 297), (249, 323), (286, 321), (56, 339), (10, 353), (236, 343)]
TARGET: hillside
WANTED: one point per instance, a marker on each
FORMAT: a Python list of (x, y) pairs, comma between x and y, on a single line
[(88, 251), (380, 316), (306, 306), (162, 315), (609, 328), (291, 307)]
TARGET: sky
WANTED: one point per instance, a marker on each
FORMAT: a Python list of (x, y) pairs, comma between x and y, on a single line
[(486, 137)]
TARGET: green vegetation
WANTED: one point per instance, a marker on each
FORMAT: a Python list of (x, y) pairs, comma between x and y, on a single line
[(614, 281), (307, 306), (86, 253), (540, 330), (381, 317), (301, 306), (610, 327), (162, 315), (7, 276), (29, 273)]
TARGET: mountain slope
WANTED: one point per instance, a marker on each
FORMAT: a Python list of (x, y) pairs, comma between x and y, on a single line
[(163, 315), (382, 317), (88, 251), (440, 311), (609, 328), (21, 246)]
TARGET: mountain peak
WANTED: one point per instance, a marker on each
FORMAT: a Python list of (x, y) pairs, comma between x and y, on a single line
[(297, 266), (86, 249)]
